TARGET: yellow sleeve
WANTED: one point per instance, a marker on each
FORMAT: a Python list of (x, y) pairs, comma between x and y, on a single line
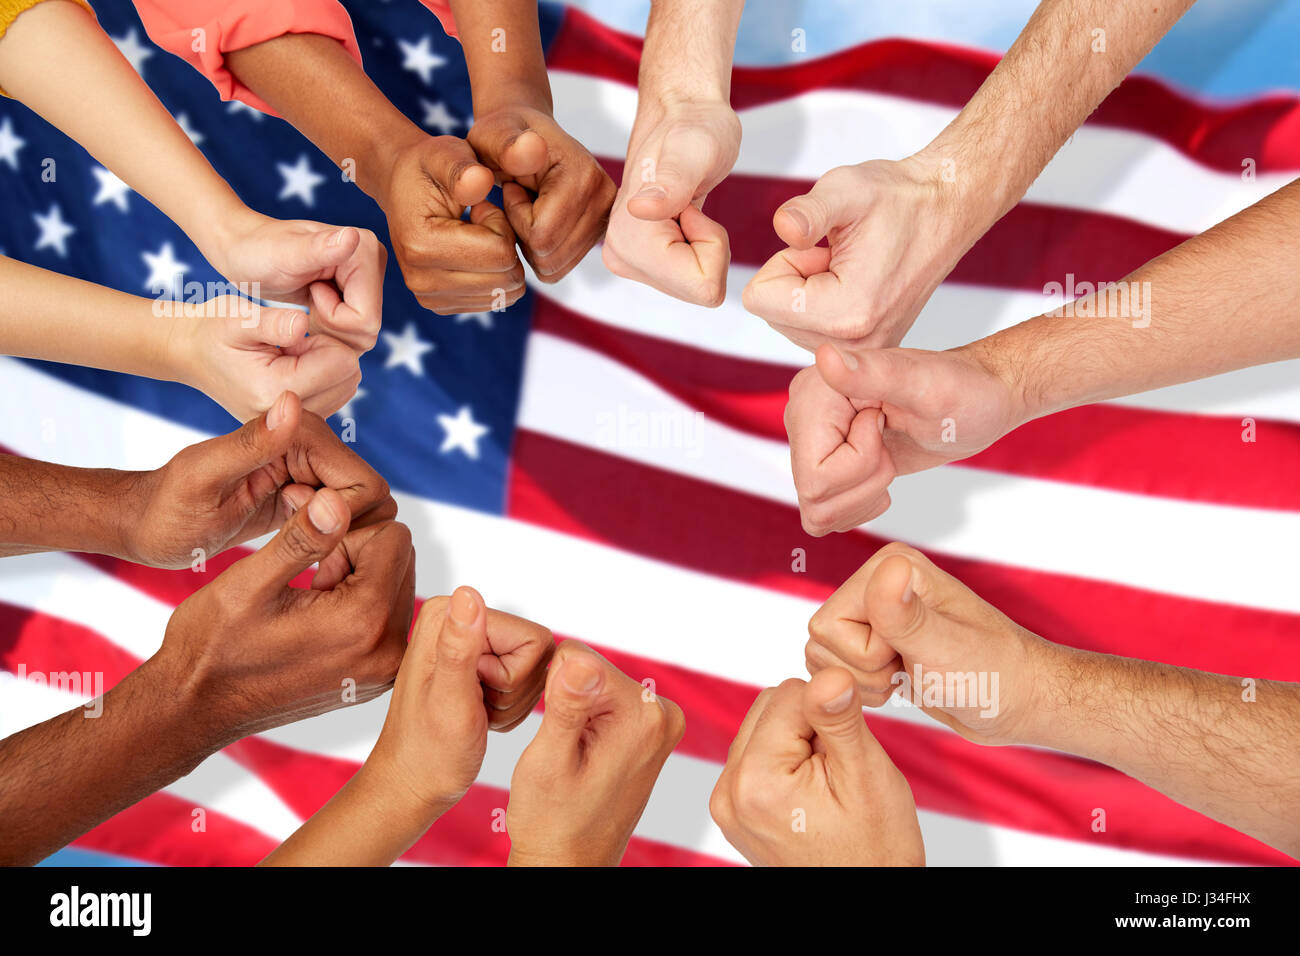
[(10, 10)]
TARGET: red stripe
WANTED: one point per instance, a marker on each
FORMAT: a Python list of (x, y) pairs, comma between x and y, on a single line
[(1168, 454), (720, 531), (1030, 246), (1266, 128)]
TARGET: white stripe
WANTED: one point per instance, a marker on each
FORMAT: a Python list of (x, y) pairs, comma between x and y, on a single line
[(956, 314), (1099, 170), (573, 393)]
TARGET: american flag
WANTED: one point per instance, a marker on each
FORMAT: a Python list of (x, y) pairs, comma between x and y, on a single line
[(612, 463)]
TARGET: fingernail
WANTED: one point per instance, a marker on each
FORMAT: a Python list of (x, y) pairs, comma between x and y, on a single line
[(579, 683), (800, 220), (836, 705), (848, 358), (907, 591), (652, 192), (880, 422), (337, 238), (286, 324), (275, 417), (463, 608), (322, 515)]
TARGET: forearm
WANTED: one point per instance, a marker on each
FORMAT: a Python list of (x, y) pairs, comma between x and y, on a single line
[(1221, 301), (1223, 746), (367, 823), (503, 52), (65, 776), (689, 48), (315, 84), (56, 508), (1056, 73), (58, 61), (61, 319)]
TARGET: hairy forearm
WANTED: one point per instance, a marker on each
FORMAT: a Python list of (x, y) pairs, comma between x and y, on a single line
[(689, 48), (58, 61), (67, 775), (1227, 747), (503, 52), (367, 823), (1221, 301), (56, 508), (315, 84), (1056, 73)]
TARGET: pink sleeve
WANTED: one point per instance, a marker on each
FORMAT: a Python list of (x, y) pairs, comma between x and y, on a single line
[(202, 32), (442, 10)]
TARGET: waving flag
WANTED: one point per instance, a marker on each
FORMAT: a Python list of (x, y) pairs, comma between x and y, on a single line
[(612, 463)]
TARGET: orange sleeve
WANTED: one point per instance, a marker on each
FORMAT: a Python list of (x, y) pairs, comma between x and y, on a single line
[(442, 10), (202, 32)]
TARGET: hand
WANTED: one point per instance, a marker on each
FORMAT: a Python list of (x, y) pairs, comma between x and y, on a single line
[(231, 489), (555, 194), (658, 232), (901, 625), (451, 266), (581, 785), (262, 653), (339, 272), (806, 784), (895, 412), (243, 356), (468, 668), (894, 229)]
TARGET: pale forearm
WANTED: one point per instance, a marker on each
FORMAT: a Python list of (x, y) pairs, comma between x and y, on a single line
[(56, 60), (65, 776), (1227, 747), (315, 84), (503, 52), (367, 823), (1069, 57), (1221, 301), (689, 48)]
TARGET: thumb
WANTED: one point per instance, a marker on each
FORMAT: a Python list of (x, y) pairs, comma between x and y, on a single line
[(322, 249), (460, 644), (803, 221), (895, 602), (506, 141), (451, 162), (229, 459), (309, 536), (832, 706), (571, 695), (278, 327), (875, 375), (668, 184)]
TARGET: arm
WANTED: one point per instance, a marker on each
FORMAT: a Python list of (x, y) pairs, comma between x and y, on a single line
[(468, 669), (56, 508), (684, 142), (896, 229), (1198, 738), (60, 63), (237, 352), (1220, 301)]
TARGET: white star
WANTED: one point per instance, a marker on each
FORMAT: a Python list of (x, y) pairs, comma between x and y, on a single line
[(407, 349), (462, 432), (437, 116), (420, 58), (111, 189), (135, 51), (347, 411), (482, 318), (54, 231), (239, 106), (183, 122), (164, 269), (300, 180), (10, 143)]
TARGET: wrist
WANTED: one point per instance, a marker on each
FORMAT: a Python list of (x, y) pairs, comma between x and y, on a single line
[(529, 92), (971, 186), (182, 731)]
